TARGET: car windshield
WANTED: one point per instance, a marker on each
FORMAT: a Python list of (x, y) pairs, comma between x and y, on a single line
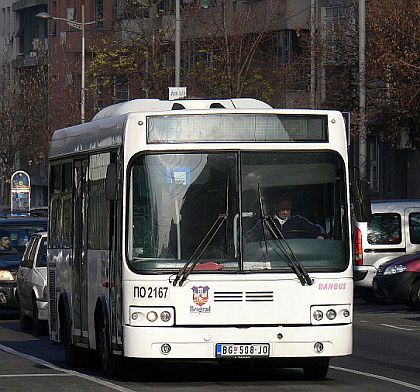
[(174, 201), (14, 238)]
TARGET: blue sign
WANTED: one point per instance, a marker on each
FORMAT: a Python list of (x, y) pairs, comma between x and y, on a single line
[(20, 192)]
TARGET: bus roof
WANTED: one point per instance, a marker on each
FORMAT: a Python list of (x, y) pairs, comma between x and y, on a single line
[(157, 105), (107, 127)]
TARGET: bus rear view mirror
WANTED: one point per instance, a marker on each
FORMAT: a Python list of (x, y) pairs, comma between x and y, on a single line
[(111, 182)]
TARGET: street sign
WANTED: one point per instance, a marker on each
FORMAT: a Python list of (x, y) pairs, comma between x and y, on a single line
[(20, 192), (177, 93)]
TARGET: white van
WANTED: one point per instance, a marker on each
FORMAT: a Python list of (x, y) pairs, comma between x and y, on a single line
[(394, 230)]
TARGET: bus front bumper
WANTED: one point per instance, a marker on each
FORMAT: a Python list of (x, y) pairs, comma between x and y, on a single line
[(200, 343)]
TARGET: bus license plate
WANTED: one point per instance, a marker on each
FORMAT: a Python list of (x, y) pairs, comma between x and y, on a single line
[(235, 350)]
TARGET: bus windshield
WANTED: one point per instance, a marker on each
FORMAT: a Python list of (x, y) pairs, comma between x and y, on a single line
[(174, 199)]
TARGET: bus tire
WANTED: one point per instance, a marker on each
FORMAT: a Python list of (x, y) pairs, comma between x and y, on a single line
[(71, 352), (316, 368), (111, 364)]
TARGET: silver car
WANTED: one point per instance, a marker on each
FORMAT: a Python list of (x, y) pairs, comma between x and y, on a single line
[(32, 292), (393, 231)]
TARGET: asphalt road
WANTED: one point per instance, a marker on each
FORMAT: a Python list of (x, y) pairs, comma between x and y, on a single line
[(386, 358)]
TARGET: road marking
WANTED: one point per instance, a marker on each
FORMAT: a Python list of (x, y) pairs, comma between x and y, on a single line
[(116, 387), (67, 371), (393, 380), (36, 375), (395, 327)]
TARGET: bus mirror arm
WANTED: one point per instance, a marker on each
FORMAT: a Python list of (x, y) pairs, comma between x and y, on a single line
[(111, 182), (361, 200)]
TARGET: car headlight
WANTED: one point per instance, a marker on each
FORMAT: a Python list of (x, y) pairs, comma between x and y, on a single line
[(8, 276), (394, 269)]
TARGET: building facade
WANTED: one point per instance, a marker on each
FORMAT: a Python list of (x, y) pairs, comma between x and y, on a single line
[(305, 55), (23, 45)]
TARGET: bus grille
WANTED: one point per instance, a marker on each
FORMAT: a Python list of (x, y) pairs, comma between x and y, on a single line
[(240, 296), (53, 300)]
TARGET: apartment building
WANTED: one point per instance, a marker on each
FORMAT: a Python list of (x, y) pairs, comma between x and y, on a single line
[(22, 51), (307, 57)]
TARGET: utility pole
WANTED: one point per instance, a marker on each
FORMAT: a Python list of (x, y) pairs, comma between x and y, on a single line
[(177, 43), (362, 93), (313, 54)]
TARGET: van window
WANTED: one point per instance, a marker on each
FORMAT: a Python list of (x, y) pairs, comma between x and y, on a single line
[(384, 229), (414, 226)]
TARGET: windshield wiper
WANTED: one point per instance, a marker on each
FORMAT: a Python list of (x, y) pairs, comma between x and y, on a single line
[(268, 222), (192, 261)]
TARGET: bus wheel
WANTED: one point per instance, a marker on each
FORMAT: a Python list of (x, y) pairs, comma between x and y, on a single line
[(71, 353), (316, 368), (110, 363)]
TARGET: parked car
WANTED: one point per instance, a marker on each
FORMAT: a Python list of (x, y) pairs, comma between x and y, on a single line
[(32, 289), (15, 232), (399, 280), (393, 231)]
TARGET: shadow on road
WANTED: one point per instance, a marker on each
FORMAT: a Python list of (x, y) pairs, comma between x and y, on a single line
[(9, 314)]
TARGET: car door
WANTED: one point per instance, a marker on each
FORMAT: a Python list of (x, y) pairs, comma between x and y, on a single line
[(24, 274)]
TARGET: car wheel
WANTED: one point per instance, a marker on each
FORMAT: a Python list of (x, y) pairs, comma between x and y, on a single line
[(25, 321), (415, 296), (38, 326), (316, 368)]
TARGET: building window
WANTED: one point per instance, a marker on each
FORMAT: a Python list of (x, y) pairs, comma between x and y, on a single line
[(121, 91)]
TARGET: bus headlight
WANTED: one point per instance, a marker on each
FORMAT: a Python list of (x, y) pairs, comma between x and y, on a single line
[(334, 314), (151, 316), (318, 315), (165, 316), (331, 314), (142, 316)]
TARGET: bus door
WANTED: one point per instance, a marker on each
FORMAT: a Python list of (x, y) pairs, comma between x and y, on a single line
[(115, 265), (79, 268)]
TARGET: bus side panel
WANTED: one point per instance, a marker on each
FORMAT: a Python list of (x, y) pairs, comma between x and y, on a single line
[(98, 287), (59, 282)]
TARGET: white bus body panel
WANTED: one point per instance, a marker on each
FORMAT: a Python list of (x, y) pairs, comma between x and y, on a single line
[(200, 343), (237, 312)]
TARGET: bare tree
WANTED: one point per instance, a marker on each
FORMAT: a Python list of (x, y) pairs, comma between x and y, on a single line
[(227, 50), (24, 130)]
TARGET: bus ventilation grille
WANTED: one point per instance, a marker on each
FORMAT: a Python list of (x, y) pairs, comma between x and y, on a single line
[(52, 299), (240, 296)]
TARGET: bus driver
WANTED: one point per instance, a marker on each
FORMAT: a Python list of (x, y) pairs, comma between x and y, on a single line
[(295, 226)]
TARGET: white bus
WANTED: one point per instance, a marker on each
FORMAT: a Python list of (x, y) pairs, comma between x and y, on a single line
[(151, 206)]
